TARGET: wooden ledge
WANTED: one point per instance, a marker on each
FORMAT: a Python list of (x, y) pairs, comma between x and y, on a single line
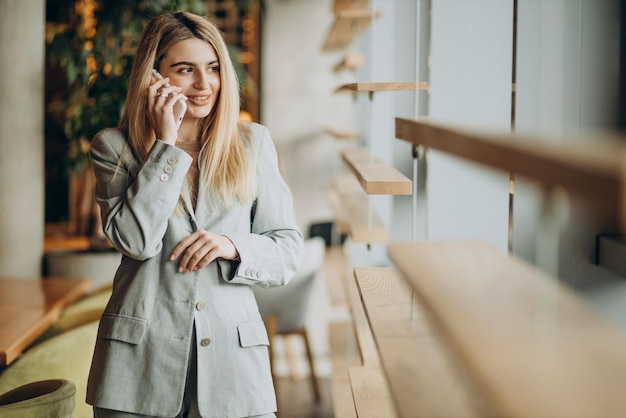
[(374, 175), (342, 398), (341, 5), (381, 86), (362, 330), (347, 26), (336, 268), (534, 346), (594, 169), (422, 371), (350, 62), (371, 394), (353, 209), (66, 243), (342, 135)]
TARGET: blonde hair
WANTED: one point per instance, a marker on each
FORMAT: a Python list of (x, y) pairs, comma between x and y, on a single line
[(224, 165)]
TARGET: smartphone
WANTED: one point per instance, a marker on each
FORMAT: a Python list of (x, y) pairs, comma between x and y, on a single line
[(180, 107)]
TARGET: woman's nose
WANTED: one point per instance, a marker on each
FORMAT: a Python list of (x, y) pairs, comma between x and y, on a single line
[(202, 80)]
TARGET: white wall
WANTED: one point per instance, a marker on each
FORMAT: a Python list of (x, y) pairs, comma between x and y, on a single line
[(471, 62), (299, 102), (22, 138)]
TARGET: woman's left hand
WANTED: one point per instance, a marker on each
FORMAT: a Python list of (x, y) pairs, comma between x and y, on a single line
[(201, 248)]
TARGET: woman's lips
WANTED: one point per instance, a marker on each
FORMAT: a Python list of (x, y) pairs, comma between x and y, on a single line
[(199, 100)]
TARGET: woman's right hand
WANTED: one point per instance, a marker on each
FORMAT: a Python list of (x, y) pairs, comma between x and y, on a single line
[(161, 99)]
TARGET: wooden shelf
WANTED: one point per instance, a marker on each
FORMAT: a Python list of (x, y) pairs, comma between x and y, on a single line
[(422, 372), (336, 267), (343, 400), (364, 337), (343, 135), (381, 86), (341, 5), (593, 169), (353, 209), (371, 394), (374, 175), (531, 343), (351, 61), (66, 243), (347, 26)]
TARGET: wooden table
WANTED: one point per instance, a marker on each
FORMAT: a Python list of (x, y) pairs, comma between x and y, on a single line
[(29, 306)]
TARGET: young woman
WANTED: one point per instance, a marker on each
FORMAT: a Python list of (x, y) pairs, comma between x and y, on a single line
[(200, 213)]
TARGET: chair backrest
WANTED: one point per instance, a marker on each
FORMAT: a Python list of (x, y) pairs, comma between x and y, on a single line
[(289, 303), (54, 398)]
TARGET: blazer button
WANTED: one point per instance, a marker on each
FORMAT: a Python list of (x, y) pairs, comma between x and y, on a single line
[(171, 160), (205, 342), (200, 305), (167, 168), (165, 177)]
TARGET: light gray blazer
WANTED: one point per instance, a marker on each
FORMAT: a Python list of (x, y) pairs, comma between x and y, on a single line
[(143, 345)]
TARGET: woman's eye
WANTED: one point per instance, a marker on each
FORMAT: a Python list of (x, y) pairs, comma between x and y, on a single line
[(184, 70), (215, 69)]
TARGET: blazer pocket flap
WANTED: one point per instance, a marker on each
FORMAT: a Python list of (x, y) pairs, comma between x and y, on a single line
[(252, 333), (122, 328)]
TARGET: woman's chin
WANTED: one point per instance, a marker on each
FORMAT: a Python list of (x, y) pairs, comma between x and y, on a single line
[(198, 112)]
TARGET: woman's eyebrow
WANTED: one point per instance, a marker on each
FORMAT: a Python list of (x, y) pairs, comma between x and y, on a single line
[(191, 64), (178, 64)]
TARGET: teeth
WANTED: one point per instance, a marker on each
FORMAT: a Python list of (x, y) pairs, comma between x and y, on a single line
[(199, 97)]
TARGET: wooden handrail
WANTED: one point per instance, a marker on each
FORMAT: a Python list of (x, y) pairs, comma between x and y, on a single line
[(593, 169), (534, 346), (374, 175)]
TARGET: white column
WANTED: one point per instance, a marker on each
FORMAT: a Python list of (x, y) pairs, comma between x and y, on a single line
[(22, 54)]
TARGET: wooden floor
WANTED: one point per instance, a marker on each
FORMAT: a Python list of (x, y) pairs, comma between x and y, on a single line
[(295, 399)]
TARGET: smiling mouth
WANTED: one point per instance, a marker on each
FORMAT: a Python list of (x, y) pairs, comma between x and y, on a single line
[(199, 98)]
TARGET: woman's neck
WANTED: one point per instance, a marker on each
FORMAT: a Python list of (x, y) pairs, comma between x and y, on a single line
[(188, 131)]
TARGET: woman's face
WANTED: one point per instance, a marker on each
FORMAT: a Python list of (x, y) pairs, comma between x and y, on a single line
[(193, 65)]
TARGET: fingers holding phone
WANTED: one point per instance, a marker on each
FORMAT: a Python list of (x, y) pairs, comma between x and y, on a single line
[(167, 108)]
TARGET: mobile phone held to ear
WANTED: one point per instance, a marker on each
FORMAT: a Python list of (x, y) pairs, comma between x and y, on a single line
[(180, 107)]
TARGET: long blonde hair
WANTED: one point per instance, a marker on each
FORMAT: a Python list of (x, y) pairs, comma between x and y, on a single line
[(224, 164)]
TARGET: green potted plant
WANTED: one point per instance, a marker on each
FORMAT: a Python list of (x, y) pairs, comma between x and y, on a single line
[(90, 46)]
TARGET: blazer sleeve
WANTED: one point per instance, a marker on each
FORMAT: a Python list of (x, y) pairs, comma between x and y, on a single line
[(136, 201), (270, 255)]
